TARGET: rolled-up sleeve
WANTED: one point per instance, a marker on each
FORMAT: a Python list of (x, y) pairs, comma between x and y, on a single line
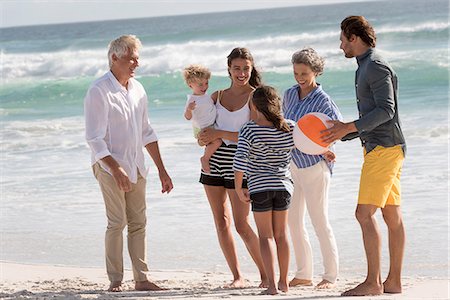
[(96, 122), (148, 133), (379, 79)]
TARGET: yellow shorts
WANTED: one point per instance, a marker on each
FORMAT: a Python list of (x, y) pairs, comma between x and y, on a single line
[(380, 176)]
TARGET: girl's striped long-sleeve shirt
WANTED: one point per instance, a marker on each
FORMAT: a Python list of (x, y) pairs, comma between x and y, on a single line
[(263, 154)]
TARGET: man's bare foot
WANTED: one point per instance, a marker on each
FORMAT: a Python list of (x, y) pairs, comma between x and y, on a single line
[(115, 286), (147, 286), (239, 283), (283, 286), (205, 164), (365, 289), (303, 282), (270, 291), (391, 287), (325, 284)]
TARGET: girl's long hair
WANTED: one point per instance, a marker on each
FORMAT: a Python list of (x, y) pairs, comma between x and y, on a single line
[(266, 100), (255, 77)]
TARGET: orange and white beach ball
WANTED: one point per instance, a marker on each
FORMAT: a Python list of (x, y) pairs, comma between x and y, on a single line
[(307, 133)]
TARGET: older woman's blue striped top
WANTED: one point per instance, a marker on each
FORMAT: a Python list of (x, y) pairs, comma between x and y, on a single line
[(263, 154), (294, 108)]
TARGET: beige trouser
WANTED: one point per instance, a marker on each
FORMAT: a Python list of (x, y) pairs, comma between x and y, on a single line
[(124, 209), (311, 193)]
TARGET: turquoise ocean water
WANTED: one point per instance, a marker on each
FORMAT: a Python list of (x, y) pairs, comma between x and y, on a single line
[(51, 208)]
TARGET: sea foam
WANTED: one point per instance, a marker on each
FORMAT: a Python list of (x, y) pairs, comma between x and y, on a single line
[(271, 53)]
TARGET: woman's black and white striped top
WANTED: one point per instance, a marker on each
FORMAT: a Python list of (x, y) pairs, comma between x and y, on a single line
[(264, 154)]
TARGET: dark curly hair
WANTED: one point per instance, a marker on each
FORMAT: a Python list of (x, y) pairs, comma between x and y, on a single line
[(359, 26)]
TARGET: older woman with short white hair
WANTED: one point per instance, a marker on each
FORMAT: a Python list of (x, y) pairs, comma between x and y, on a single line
[(310, 173)]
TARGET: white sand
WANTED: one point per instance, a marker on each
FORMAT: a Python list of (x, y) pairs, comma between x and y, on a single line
[(20, 281)]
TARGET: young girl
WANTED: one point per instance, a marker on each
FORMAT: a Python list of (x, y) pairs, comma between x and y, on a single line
[(263, 154)]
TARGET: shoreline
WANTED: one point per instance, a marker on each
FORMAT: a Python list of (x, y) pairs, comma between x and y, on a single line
[(32, 281)]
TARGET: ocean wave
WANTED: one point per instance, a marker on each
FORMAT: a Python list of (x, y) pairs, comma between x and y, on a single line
[(43, 135), (272, 53), (57, 135), (423, 27)]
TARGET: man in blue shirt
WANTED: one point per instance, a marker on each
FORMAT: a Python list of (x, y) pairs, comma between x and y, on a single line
[(379, 129)]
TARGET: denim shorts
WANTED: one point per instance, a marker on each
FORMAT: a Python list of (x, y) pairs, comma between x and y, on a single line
[(270, 200)]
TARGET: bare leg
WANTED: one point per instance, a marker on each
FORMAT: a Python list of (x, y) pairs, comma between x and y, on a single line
[(222, 218), (280, 224), (372, 245), (209, 151), (241, 220), (266, 241), (393, 217)]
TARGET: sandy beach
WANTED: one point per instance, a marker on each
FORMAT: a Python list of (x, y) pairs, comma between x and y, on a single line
[(52, 213), (22, 281)]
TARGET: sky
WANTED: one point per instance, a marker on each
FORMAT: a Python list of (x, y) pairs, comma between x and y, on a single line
[(37, 12)]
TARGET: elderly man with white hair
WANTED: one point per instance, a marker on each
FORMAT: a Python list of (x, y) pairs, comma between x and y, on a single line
[(117, 130)]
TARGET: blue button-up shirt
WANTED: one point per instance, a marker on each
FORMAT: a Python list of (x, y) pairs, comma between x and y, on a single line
[(294, 108), (376, 91)]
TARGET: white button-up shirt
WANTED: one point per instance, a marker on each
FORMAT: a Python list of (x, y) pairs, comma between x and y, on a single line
[(117, 124)]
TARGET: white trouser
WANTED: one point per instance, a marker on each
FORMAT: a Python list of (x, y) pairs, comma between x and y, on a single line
[(311, 191)]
